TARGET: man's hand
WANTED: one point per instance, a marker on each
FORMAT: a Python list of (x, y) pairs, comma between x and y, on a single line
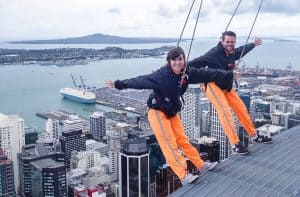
[(257, 41)]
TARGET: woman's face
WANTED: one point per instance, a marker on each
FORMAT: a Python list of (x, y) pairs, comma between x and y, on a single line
[(178, 64)]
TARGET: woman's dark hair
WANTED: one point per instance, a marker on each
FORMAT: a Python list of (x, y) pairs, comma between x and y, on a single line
[(174, 53)]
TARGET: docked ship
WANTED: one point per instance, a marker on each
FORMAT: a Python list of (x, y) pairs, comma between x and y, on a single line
[(80, 93)]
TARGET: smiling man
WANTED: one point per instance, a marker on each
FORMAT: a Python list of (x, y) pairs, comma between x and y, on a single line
[(221, 94)]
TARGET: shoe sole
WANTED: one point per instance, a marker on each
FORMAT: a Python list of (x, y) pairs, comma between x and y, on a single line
[(213, 167), (236, 153), (267, 142), (194, 180)]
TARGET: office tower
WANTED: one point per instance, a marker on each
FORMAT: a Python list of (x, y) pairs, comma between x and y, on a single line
[(143, 122), (85, 159), (12, 138), (243, 136), (7, 186), (72, 141), (166, 181), (204, 116), (134, 168), (52, 128), (114, 137), (205, 124), (31, 153), (190, 113), (101, 147), (72, 124), (217, 131), (31, 135), (260, 109), (245, 97), (156, 157), (209, 145), (97, 125), (293, 120), (48, 178)]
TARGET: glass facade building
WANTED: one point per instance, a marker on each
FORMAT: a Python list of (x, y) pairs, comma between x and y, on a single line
[(7, 186), (134, 168)]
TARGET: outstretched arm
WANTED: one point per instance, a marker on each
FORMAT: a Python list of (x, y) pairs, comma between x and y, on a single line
[(141, 82), (248, 48), (205, 75)]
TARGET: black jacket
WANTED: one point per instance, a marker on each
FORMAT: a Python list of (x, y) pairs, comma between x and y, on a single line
[(166, 85), (217, 58)]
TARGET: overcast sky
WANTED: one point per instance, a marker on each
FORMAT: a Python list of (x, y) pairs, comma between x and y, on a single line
[(38, 19)]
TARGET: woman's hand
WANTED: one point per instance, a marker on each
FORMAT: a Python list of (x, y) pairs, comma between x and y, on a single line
[(236, 74), (110, 83)]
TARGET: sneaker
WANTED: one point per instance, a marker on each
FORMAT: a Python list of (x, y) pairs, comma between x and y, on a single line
[(263, 139), (189, 178), (239, 149), (208, 166)]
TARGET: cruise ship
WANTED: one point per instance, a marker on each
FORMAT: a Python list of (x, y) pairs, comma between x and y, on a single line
[(81, 93)]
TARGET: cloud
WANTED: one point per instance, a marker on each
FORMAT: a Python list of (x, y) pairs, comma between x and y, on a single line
[(250, 6), (114, 10), (290, 7), (36, 19)]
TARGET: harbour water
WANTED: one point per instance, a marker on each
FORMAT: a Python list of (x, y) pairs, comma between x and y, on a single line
[(28, 89)]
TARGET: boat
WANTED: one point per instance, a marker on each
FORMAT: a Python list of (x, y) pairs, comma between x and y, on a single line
[(80, 93)]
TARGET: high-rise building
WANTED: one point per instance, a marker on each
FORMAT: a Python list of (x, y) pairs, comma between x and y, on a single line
[(208, 145), (52, 128), (260, 108), (217, 131), (114, 137), (12, 138), (134, 179), (293, 120), (190, 113), (72, 141), (72, 124), (31, 153), (7, 186), (166, 181), (86, 159), (156, 158), (31, 135), (97, 125), (48, 178), (245, 97), (205, 124), (204, 121), (101, 147)]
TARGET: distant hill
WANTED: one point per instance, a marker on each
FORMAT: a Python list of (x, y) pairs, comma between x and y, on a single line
[(98, 39)]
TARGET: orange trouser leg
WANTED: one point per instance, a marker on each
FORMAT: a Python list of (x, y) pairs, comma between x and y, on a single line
[(240, 110), (219, 101), (166, 139), (183, 142)]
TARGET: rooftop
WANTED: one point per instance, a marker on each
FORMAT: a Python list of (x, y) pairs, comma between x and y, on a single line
[(47, 163), (270, 170)]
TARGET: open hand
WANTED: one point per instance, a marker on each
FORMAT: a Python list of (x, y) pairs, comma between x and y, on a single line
[(257, 41), (236, 74), (110, 83)]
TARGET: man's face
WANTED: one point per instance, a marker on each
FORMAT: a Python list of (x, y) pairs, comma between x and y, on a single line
[(229, 43)]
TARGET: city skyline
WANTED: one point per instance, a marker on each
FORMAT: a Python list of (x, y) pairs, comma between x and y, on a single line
[(34, 19)]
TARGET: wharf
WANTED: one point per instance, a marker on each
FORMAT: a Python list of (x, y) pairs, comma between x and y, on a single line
[(59, 115)]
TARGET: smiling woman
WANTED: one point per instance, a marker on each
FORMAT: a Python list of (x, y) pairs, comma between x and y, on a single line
[(177, 60)]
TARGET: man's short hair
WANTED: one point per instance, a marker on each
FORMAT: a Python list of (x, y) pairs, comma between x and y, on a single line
[(228, 33)]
